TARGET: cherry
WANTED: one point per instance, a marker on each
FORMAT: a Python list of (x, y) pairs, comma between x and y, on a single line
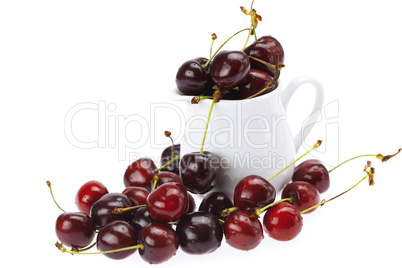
[(140, 173), (303, 193), (199, 233), (168, 203), (167, 176), (192, 206), (136, 195), (116, 235), (199, 171), (253, 192), (75, 229), (140, 218), (167, 156), (193, 78), (229, 68), (215, 202), (266, 48), (160, 243), (102, 210), (313, 172), (88, 194), (256, 81), (243, 230), (231, 94), (282, 222)]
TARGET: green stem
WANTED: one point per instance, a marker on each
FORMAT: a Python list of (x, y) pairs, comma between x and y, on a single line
[(252, 21), (122, 210), (290, 199), (51, 192), (210, 59), (248, 37), (64, 249), (206, 128), (167, 163), (364, 155), (87, 248), (316, 145), (326, 201)]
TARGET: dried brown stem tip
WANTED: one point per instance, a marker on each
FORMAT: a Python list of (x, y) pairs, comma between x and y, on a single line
[(217, 95), (370, 173), (387, 157), (195, 100), (214, 36), (168, 133)]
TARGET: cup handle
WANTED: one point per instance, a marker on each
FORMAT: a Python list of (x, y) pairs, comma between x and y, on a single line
[(315, 114)]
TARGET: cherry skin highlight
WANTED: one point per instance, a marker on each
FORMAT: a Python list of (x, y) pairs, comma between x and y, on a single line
[(136, 195), (140, 218), (160, 243), (313, 172), (115, 235), (253, 192), (75, 229), (88, 194), (304, 195), (242, 230), (283, 222), (192, 78), (256, 81), (140, 173)]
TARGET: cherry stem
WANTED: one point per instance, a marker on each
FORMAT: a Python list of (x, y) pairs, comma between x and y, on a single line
[(210, 59), (378, 156), (87, 248), (227, 211), (167, 163), (122, 210), (248, 37), (168, 134), (263, 62), (290, 199), (206, 128), (64, 249), (51, 192), (315, 146), (197, 99), (369, 175), (252, 20)]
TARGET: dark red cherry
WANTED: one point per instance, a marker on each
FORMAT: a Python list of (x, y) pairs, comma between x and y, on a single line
[(140, 218), (266, 48), (304, 195), (199, 233), (137, 195), (192, 206), (253, 192), (242, 230), (75, 229), (167, 176), (199, 172), (256, 80), (160, 243), (231, 94), (101, 211), (229, 68), (167, 156), (313, 172), (215, 202), (168, 203), (140, 173), (115, 235), (192, 78), (282, 222), (88, 194)]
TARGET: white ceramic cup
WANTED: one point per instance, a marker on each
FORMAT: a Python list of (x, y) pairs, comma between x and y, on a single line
[(251, 137)]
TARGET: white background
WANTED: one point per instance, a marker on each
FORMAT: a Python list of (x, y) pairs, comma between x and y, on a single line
[(55, 55)]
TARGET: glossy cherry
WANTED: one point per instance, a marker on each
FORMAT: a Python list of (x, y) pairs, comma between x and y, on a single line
[(256, 81), (199, 233), (229, 68), (304, 195), (167, 176), (115, 235), (140, 218), (282, 222), (192, 78), (75, 229), (266, 48), (313, 172), (136, 195), (166, 156), (243, 230), (253, 192), (215, 202), (168, 203), (140, 173), (88, 194), (102, 210), (160, 243), (199, 172)]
